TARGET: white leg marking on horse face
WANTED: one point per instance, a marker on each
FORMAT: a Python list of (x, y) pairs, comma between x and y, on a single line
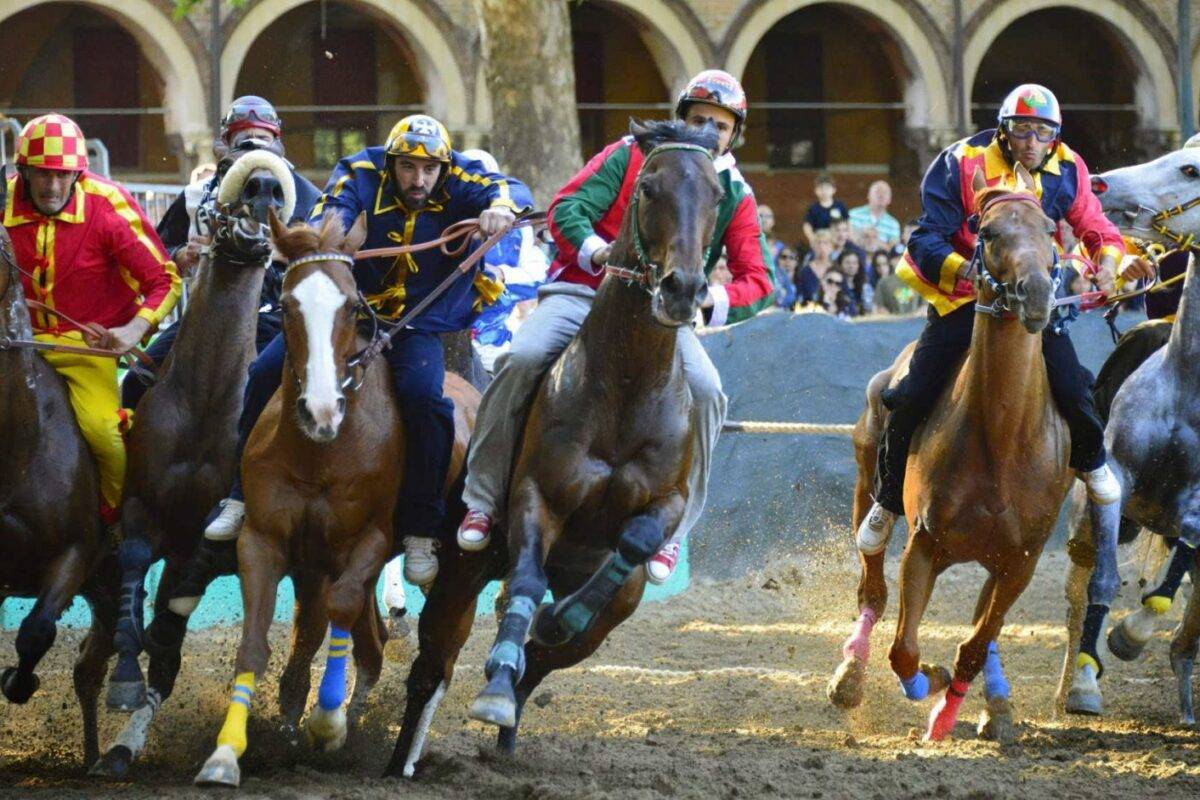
[(319, 299), (418, 742)]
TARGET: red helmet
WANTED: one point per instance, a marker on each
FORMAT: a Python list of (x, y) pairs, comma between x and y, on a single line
[(250, 111), (52, 142), (716, 88)]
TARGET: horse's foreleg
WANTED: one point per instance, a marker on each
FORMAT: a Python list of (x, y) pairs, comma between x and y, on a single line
[(995, 722), (126, 686), (1084, 696), (445, 623), (640, 538), (973, 653), (369, 635), (534, 530), (261, 564), (1127, 639), (88, 674), (40, 627), (918, 571), (309, 623), (1183, 654)]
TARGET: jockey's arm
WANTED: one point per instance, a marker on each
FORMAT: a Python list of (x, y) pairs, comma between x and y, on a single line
[(1100, 236), (748, 257), (340, 196), (930, 249), (583, 202), (495, 198)]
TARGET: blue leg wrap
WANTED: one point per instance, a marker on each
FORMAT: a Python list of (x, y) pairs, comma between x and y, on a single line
[(995, 685), (332, 693), (509, 650), (916, 687)]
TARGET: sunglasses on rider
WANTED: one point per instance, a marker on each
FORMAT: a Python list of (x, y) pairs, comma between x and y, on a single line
[(1022, 129)]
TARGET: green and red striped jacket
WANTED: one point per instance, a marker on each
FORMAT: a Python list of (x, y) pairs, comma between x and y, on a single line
[(586, 214)]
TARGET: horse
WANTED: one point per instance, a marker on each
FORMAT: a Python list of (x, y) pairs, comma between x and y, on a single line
[(601, 475), (1151, 431), (52, 542), (321, 473), (181, 447), (987, 475)]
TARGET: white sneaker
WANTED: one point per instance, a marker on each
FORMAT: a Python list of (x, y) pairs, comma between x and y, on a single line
[(420, 560), (875, 530), (228, 523), (1102, 486)]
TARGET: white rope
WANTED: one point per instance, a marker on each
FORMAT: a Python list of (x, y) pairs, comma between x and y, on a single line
[(813, 428)]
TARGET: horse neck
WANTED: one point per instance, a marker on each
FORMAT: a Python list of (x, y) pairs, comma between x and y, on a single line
[(18, 387), (637, 349), (1184, 344), (1004, 383)]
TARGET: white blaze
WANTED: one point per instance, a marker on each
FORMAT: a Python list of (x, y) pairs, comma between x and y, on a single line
[(319, 300)]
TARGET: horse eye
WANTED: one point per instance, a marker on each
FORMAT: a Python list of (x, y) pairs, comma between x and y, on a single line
[(1190, 170), (647, 191), (987, 234)]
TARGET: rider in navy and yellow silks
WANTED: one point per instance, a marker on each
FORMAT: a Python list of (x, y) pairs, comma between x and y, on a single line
[(411, 190)]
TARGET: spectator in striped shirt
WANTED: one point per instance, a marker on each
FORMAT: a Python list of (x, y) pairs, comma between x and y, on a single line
[(874, 215)]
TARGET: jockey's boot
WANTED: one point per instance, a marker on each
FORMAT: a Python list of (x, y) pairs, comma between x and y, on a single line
[(1102, 486), (661, 565), (875, 530), (475, 531), (227, 524), (420, 560)]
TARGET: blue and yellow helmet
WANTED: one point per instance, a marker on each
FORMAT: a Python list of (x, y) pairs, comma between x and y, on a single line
[(419, 136)]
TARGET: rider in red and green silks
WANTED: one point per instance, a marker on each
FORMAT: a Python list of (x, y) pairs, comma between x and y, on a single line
[(584, 220), (939, 264)]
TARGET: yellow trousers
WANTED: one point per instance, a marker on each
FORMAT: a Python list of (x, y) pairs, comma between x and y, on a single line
[(92, 385)]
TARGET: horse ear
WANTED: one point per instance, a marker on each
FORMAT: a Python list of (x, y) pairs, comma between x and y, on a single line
[(356, 235), (978, 182), (1024, 179), (278, 229)]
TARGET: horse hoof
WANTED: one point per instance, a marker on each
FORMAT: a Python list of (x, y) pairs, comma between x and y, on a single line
[(1122, 645), (1084, 696), (16, 690), (221, 769), (113, 764), (497, 704), (845, 688), (995, 721), (125, 696), (546, 629), (326, 730), (939, 677)]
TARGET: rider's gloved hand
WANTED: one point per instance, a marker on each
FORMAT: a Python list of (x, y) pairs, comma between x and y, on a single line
[(1137, 268), (496, 219)]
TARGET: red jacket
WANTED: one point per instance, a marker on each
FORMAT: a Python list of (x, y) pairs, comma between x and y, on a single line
[(98, 260)]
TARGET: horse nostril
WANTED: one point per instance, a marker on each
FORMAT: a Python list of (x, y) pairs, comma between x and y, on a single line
[(341, 405), (303, 412), (702, 292), (1020, 290), (1099, 186)]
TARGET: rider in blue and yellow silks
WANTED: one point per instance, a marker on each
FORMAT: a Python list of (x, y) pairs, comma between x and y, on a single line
[(411, 191)]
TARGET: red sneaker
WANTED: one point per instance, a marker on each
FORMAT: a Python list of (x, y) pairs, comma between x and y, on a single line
[(662, 564), (475, 531)]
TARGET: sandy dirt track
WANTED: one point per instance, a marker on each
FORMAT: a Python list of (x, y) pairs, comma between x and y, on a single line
[(719, 693)]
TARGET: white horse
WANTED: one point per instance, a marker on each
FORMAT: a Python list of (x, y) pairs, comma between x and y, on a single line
[(1152, 436)]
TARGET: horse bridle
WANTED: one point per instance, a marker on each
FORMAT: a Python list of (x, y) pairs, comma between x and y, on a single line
[(1002, 305), (1159, 218), (647, 273)]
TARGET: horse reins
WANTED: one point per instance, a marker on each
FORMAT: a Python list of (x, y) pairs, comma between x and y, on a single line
[(647, 273)]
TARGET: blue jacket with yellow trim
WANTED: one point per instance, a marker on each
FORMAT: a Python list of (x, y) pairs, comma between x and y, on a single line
[(362, 182), (943, 239)]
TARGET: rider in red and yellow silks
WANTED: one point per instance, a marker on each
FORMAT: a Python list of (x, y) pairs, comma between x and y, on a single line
[(91, 253)]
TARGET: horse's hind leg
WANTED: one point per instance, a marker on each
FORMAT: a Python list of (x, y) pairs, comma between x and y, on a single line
[(39, 628), (1081, 556), (995, 721), (918, 571), (541, 660), (94, 653), (1183, 653), (1128, 638), (442, 629), (309, 623)]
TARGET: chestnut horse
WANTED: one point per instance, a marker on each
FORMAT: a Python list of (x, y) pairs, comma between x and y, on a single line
[(52, 543), (321, 474), (987, 475), (601, 475)]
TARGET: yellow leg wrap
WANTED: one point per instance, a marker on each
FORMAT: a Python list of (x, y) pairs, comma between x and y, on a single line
[(233, 732), (1083, 659), (1158, 604)]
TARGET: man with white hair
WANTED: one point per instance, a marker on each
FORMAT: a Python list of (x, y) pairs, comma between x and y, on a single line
[(874, 215)]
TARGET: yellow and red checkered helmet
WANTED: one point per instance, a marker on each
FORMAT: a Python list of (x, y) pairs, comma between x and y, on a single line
[(52, 142), (419, 136)]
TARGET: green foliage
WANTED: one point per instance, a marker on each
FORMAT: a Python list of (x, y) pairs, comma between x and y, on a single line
[(185, 7)]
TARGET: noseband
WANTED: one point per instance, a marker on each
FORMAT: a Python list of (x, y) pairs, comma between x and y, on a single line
[(1002, 306), (1158, 223), (646, 273)]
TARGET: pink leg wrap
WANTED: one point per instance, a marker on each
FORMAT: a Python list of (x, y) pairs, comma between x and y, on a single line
[(859, 644), (945, 713)]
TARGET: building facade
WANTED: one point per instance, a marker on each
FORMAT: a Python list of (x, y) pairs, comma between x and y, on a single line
[(859, 88)]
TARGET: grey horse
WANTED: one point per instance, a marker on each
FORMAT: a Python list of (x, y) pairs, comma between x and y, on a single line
[(1152, 436)]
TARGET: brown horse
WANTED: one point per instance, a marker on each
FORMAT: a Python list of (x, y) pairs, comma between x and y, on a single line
[(52, 543), (181, 447), (321, 474), (601, 476), (988, 472)]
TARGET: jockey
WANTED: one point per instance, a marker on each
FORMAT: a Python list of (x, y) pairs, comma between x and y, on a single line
[(94, 256), (250, 124), (938, 265), (584, 220), (411, 190)]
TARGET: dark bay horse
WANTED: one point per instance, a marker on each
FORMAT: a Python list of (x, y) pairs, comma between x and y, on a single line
[(181, 447), (321, 474), (52, 543), (987, 475), (601, 475)]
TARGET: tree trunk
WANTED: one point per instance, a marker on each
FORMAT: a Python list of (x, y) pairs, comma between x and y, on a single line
[(530, 74)]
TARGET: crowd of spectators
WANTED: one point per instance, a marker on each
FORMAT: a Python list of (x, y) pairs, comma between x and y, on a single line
[(846, 263)]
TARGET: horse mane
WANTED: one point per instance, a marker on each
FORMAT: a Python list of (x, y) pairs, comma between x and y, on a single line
[(649, 134), (302, 239)]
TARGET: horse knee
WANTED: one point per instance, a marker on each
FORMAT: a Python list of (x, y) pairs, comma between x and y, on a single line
[(640, 540), (345, 603), (35, 636)]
